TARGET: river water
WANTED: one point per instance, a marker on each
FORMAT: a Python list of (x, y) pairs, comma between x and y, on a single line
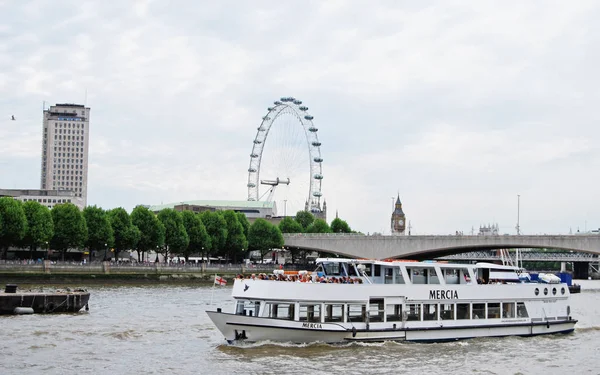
[(164, 330)]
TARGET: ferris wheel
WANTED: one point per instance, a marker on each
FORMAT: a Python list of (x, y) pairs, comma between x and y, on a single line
[(290, 166)]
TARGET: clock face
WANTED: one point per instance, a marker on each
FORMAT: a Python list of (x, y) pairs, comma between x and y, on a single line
[(401, 222)]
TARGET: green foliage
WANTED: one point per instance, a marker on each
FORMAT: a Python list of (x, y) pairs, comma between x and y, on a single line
[(100, 233), (289, 225), (126, 235), (318, 226), (70, 230), (152, 231), (305, 219), (40, 227), (264, 236), (216, 226), (176, 238), (236, 242), (199, 238), (13, 223), (244, 221), (340, 226)]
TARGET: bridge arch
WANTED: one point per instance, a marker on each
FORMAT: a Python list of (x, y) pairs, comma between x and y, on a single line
[(428, 247)]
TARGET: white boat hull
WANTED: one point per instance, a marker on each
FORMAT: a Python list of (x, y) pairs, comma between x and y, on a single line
[(239, 328)]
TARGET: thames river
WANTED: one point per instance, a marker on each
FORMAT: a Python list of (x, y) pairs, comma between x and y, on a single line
[(164, 330)]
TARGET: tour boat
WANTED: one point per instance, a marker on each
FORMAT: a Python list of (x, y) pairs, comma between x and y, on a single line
[(371, 300)]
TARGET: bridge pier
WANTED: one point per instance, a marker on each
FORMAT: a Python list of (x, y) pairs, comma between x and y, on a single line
[(581, 270)]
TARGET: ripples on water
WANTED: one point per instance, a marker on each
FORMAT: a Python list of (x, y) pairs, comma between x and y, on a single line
[(164, 330)]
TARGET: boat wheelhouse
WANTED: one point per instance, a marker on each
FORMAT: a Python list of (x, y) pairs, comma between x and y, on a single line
[(371, 300)]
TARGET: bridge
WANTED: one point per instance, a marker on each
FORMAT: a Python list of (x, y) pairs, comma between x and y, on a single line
[(429, 247), (525, 256)]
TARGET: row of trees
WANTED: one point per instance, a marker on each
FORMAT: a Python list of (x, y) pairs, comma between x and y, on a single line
[(219, 233)]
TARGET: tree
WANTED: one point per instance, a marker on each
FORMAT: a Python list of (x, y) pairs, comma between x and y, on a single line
[(340, 226), (197, 234), (70, 230), (176, 238), (13, 225), (235, 243), (264, 237), (318, 226), (152, 232), (305, 219), (289, 225), (40, 227), (100, 233), (216, 227), (244, 221), (126, 235)]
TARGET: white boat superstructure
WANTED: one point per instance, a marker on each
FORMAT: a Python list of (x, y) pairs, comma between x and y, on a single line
[(370, 300)]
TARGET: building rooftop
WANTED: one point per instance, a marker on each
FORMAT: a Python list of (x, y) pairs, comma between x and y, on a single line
[(217, 203), (35, 192)]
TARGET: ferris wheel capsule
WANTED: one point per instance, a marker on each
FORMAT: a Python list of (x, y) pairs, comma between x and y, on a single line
[(277, 102), (316, 144), (318, 160), (297, 102), (303, 108), (308, 117), (313, 129)]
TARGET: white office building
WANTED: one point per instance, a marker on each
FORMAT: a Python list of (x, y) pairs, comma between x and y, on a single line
[(65, 144), (48, 198)]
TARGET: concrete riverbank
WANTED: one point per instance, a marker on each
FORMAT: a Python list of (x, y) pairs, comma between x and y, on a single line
[(107, 272)]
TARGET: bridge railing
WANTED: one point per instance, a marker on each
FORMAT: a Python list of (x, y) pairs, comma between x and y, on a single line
[(527, 256)]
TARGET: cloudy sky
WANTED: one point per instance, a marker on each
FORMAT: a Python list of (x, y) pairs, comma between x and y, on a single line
[(457, 106)]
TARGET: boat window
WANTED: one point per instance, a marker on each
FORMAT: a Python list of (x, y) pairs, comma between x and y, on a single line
[(433, 277), (351, 269), (478, 311), (508, 309), (278, 310), (376, 310), (430, 311), (332, 269), (493, 311), (377, 272), (356, 313), (334, 313), (447, 311), (247, 307), (463, 311), (310, 313), (389, 275), (522, 310), (414, 312), (393, 313), (450, 275), (417, 275)]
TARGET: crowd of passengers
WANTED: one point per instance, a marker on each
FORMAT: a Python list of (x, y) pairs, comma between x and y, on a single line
[(304, 278)]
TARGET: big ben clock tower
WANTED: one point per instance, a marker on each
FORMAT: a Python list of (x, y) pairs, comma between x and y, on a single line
[(398, 219)]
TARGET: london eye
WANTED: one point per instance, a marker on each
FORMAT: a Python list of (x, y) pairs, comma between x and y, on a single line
[(286, 169)]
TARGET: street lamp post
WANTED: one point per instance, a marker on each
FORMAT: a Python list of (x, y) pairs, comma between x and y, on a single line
[(284, 207), (518, 213)]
